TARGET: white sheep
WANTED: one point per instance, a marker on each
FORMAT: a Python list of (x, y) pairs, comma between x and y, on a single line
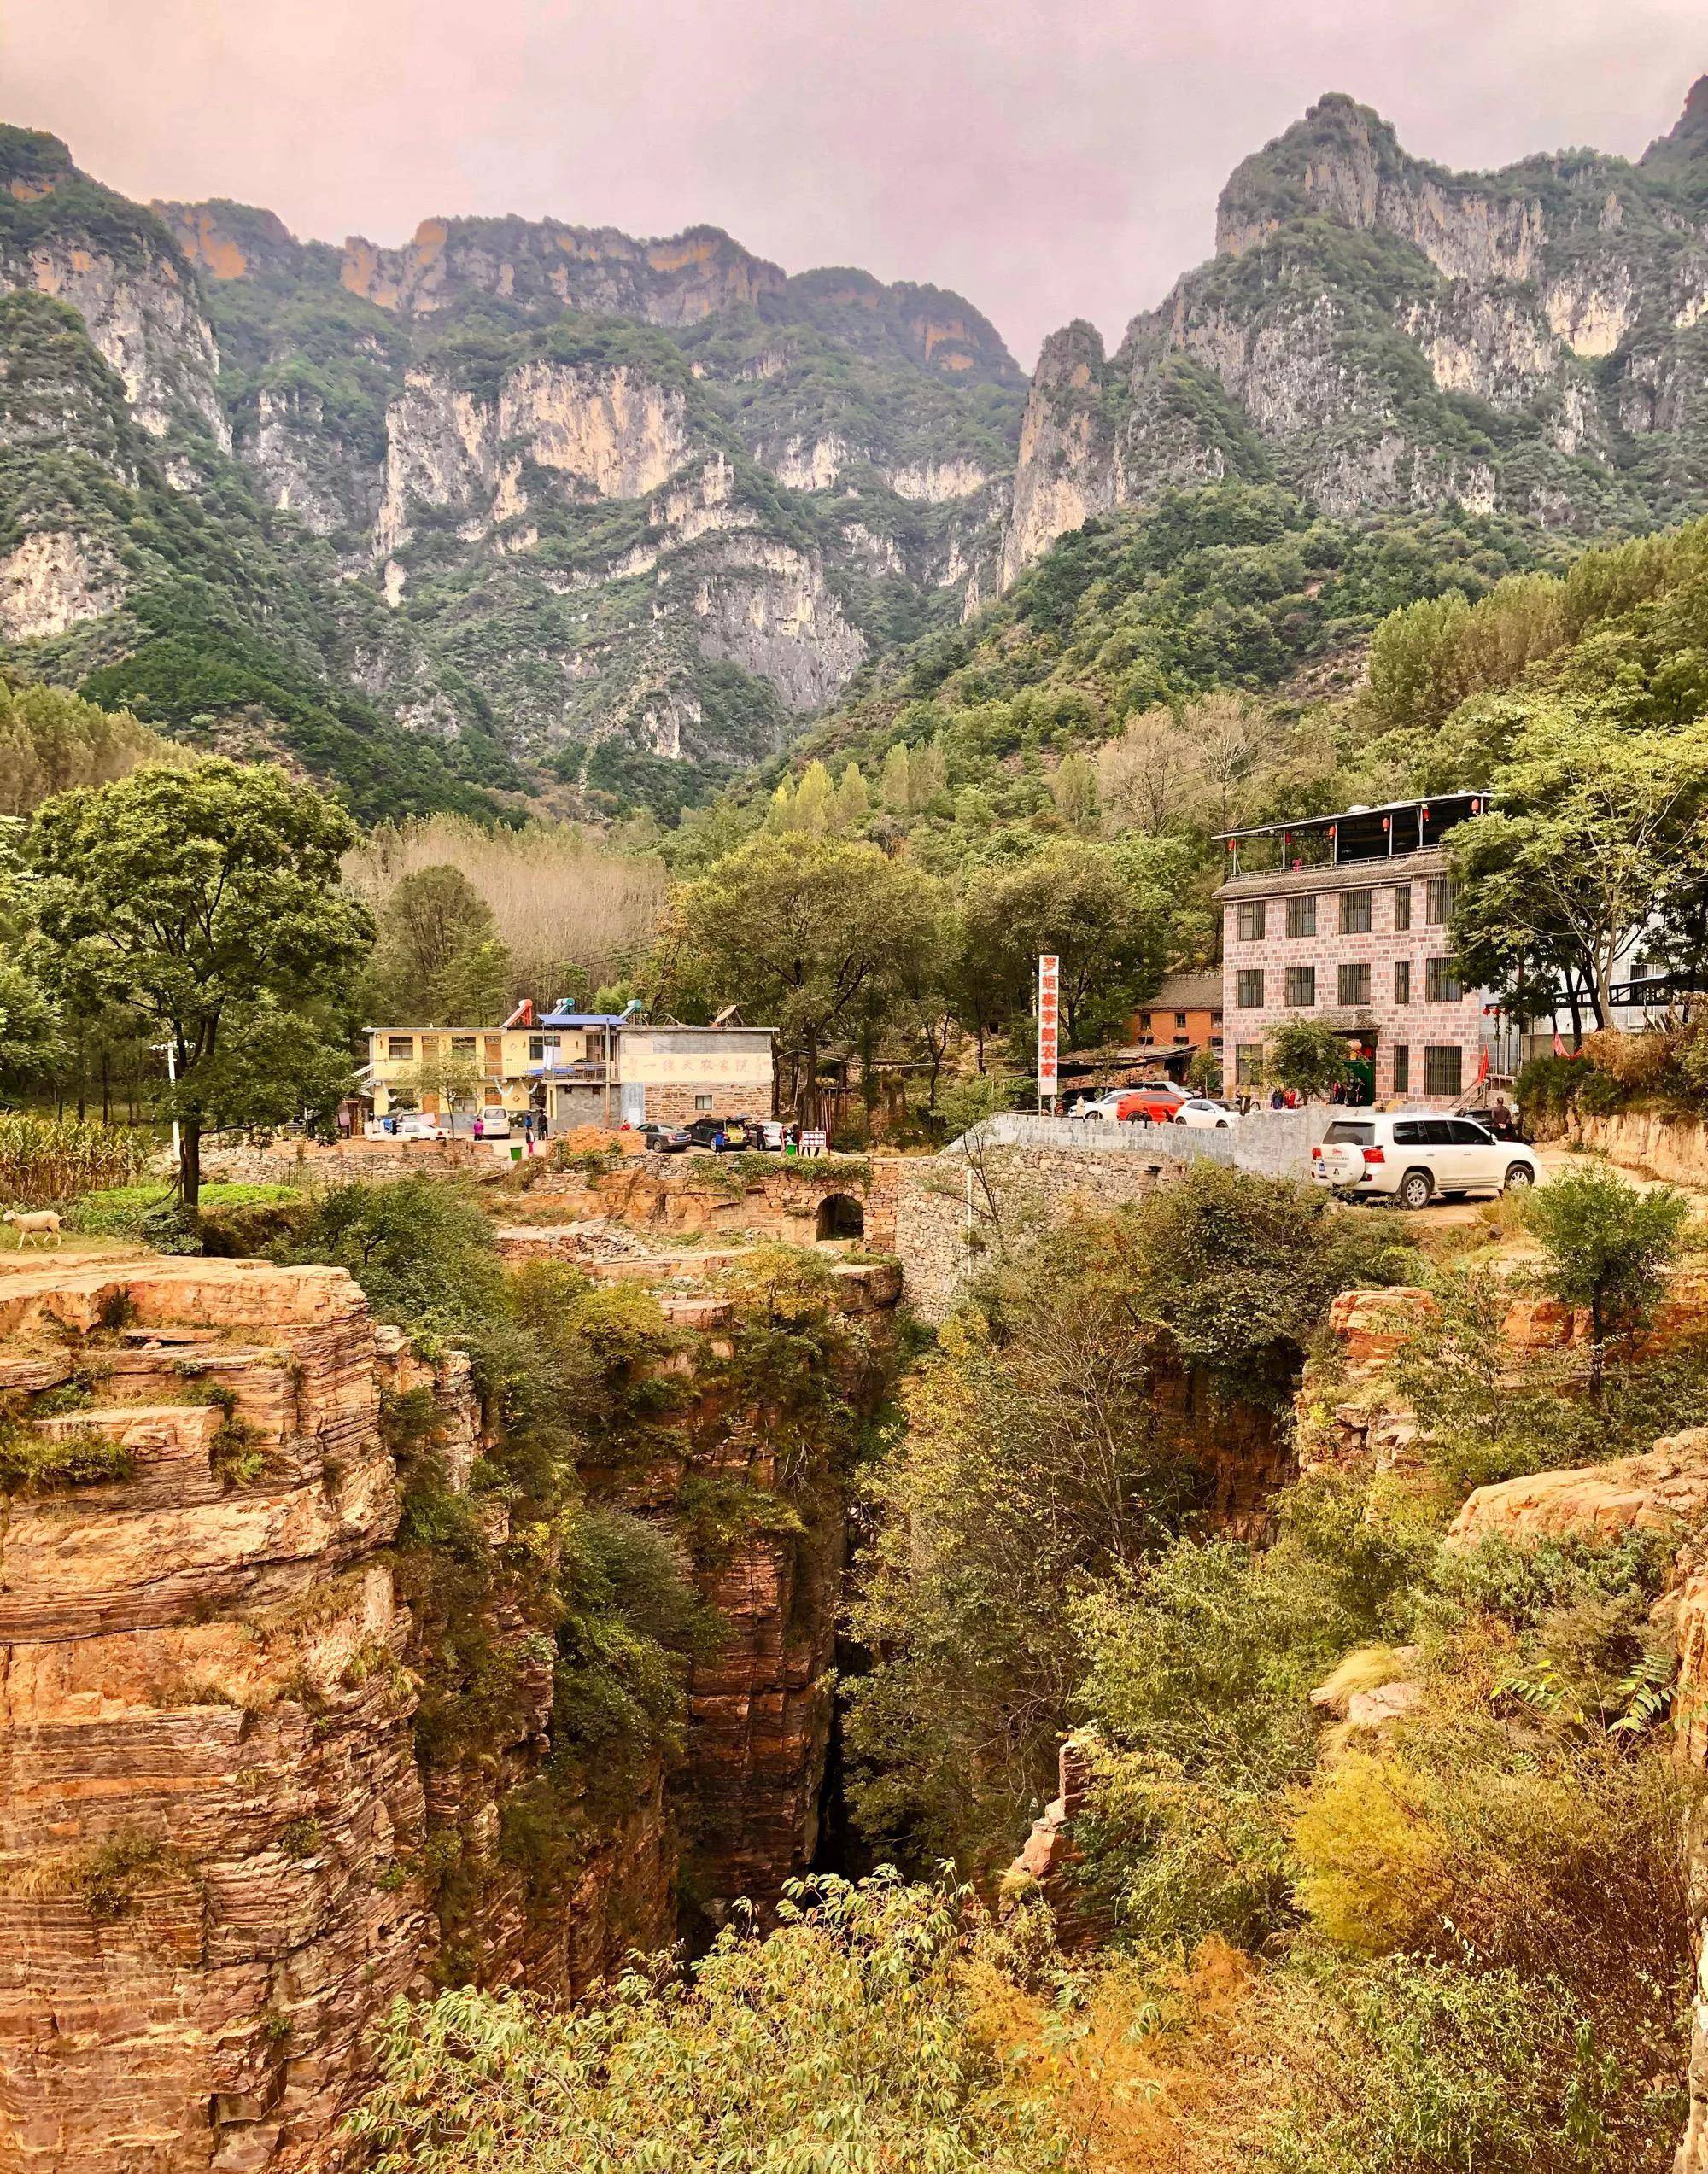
[(41, 1223)]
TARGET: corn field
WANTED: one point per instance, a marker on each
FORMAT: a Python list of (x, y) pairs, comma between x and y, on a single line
[(45, 1159)]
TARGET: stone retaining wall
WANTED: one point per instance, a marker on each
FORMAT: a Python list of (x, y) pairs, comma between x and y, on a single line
[(958, 1214)]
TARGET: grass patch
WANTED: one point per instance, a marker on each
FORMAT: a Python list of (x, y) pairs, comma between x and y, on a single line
[(33, 1464)]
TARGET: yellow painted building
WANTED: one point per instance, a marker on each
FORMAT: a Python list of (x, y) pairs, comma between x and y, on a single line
[(430, 1067), (575, 1068)]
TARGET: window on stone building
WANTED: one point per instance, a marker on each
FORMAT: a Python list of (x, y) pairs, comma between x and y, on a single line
[(1442, 1067), (1441, 983), (1249, 918), (1248, 1063), (1179, 1019), (1301, 917), (1403, 1068), (1355, 912), (1247, 988), (1301, 986), (1403, 981), (702, 1101), (1402, 905), (1438, 900), (1354, 984)]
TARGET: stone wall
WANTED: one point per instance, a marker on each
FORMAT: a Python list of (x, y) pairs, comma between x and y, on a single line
[(1272, 1143), (958, 1214)]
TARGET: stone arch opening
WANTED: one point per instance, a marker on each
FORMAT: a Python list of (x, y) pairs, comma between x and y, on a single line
[(840, 1216)]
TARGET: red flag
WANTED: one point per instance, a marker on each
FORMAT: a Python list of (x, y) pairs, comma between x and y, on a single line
[(1483, 1068), (1559, 1048)]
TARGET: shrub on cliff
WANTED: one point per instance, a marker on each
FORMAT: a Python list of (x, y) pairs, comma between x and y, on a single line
[(1196, 1674), (421, 1250)]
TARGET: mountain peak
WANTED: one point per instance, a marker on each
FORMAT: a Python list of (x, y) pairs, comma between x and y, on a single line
[(1687, 140), (1333, 159)]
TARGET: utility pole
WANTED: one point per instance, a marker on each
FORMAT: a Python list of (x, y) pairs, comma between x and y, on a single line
[(168, 1049)]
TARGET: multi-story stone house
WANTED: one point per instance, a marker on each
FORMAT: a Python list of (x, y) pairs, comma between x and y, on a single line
[(1344, 919)]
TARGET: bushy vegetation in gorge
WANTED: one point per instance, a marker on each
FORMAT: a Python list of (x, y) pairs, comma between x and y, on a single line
[(1452, 1940)]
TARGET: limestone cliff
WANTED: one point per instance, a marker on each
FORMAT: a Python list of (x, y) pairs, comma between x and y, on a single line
[(1383, 334), (63, 234), (551, 475)]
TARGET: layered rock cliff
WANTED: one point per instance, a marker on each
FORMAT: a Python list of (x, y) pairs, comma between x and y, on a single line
[(269, 1759), (211, 1806), (1383, 334)]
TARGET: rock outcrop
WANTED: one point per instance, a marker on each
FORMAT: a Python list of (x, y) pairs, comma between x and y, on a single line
[(225, 1846), (211, 1806)]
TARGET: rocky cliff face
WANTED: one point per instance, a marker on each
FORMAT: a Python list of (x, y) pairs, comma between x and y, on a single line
[(1383, 334), (512, 453), (211, 1804), (559, 470), (226, 1842), (114, 263)]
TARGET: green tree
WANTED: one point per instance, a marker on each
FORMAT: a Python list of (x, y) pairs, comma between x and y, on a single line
[(1074, 788), (1606, 1247), (895, 789), (437, 951), (1073, 899), (1204, 1072), (1307, 1055), (813, 798), (51, 741), (1598, 831), (848, 2038), (207, 900), (805, 934), (31, 1041), (853, 803)]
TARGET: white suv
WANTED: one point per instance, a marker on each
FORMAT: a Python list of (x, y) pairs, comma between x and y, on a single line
[(1418, 1154)]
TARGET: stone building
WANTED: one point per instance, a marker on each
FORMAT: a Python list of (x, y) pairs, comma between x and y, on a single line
[(599, 1069), (1344, 919)]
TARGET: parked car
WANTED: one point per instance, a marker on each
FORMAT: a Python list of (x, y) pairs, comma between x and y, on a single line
[(1155, 1102), (494, 1122), (1203, 1115), (1418, 1155), (664, 1139), (722, 1135), (416, 1125)]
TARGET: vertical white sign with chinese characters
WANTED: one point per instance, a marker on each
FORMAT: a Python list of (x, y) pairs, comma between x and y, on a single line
[(1049, 1025)]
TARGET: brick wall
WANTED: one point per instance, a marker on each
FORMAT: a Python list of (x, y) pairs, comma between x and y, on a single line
[(1415, 1025)]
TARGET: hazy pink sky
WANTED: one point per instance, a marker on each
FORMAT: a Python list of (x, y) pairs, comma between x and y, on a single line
[(1048, 158)]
